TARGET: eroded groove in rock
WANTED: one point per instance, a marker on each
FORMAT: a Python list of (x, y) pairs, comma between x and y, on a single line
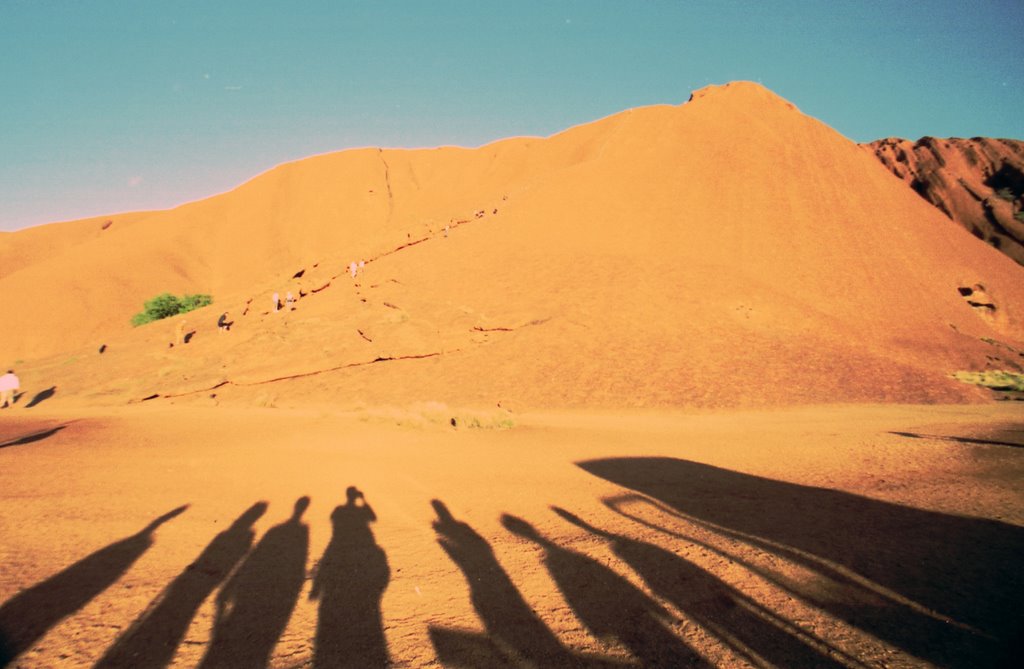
[(513, 328), (978, 182), (300, 375)]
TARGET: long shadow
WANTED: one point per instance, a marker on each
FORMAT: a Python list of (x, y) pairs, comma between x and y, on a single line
[(31, 613), (31, 438), (254, 606), (153, 638), (42, 396), (947, 589), (609, 605), (510, 623), (349, 582), (738, 621), (960, 440)]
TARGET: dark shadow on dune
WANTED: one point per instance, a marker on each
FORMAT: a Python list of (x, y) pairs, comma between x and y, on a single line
[(35, 436), (254, 606), (947, 589), (738, 621), (349, 582), (960, 440), (42, 396), (31, 613), (153, 638), (610, 606), (515, 635)]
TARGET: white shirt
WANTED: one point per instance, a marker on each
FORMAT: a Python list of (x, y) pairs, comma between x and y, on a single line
[(9, 382)]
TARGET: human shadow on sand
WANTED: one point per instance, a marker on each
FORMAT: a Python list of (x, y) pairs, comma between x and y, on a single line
[(153, 638), (27, 616), (610, 606), (514, 634), (349, 581), (750, 629), (42, 396), (33, 437), (945, 588), (254, 606)]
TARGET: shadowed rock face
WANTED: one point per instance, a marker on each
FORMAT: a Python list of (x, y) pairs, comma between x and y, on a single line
[(978, 182)]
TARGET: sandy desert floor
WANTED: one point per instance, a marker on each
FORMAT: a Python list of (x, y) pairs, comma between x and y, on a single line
[(828, 536)]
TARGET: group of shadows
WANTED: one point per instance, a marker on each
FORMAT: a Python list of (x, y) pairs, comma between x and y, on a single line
[(259, 586), (945, 589)]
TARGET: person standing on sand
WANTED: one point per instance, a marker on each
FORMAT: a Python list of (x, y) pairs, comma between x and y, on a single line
[(9, 384), (289, 300), (353, 268), (277, 302)]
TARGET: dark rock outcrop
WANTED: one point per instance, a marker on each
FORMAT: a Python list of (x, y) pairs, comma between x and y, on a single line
[(978, 182)]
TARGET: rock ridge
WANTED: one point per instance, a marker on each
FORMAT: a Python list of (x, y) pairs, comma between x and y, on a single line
[(977, 182)]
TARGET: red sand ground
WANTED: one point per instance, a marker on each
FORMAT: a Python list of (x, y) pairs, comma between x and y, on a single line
[(622, 320), (824, 536)]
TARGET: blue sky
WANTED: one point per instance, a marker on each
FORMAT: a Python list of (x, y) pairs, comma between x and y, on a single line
[(111, 106)]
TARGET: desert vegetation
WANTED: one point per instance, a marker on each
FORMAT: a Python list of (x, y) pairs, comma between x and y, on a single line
[(166, 305), (994, 379)]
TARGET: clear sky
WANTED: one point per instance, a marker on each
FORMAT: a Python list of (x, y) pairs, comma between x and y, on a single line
[(120, 105)]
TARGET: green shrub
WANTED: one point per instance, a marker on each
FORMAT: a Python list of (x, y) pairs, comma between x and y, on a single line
[(1006, 194), (166, 305), (994, 379), (192, 302)]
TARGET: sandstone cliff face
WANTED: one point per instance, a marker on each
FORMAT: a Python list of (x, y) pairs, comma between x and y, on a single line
[(979, 183)]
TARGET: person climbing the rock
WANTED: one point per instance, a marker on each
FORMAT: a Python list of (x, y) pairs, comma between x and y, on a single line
[(179, 333), (9, 384)]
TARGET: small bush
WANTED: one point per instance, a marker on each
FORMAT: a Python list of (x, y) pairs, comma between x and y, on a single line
[(166, 305), (1006, 194), (994, 379), (192, 302)]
